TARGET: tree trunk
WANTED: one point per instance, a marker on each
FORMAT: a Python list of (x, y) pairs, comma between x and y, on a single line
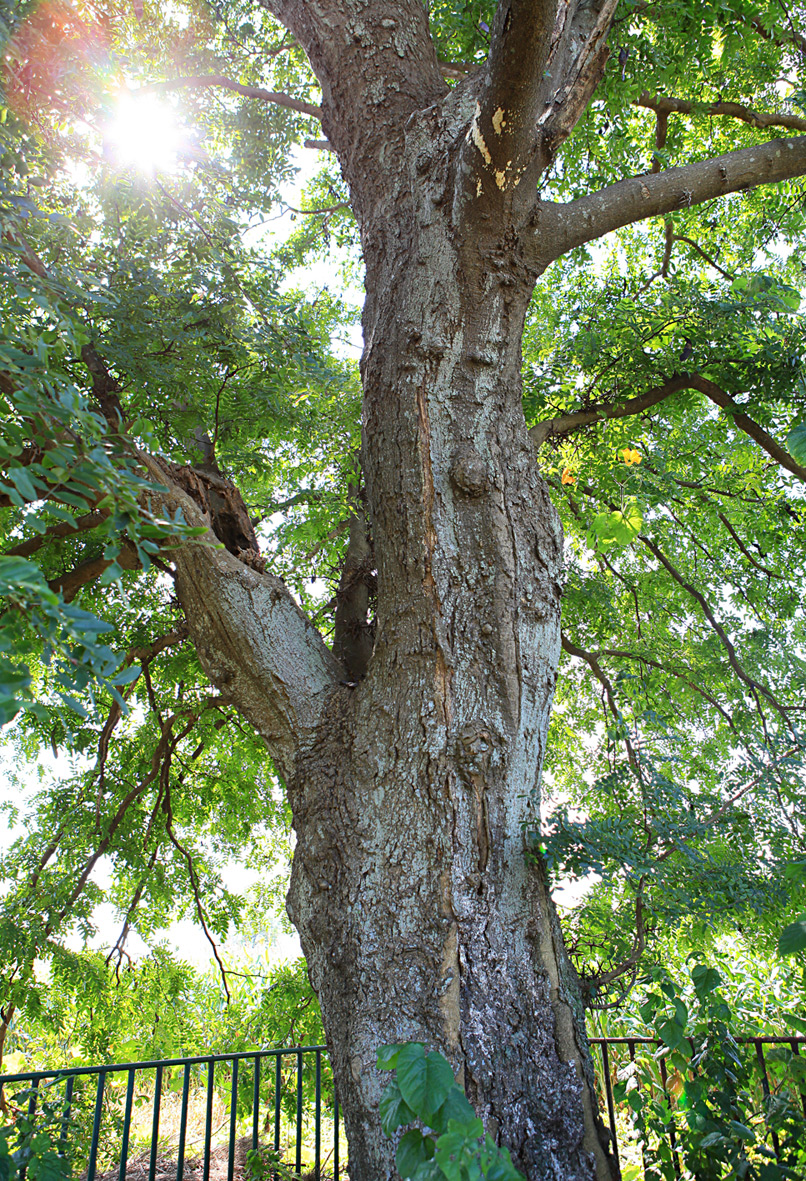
[(419, 916), (410, 786)]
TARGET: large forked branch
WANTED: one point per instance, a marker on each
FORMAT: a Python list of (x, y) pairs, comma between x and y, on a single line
[(504, 128), (576, 64), (545, 61), (204, 81), (252, 639), (561, 227)]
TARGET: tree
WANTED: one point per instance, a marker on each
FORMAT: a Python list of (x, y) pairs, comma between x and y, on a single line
[(411, 746)]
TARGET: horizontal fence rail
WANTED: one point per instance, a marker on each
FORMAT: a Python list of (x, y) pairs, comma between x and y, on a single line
[(618, 1058), (174, 1119)]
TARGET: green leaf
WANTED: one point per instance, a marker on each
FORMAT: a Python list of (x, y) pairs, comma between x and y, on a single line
[(386, 1057), (394, 1111), (413, 1150), (424, 1079), (796, 442), (793, 937), (456, 1107)]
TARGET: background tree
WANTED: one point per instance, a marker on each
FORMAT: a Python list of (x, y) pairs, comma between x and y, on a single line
[(142, 339)]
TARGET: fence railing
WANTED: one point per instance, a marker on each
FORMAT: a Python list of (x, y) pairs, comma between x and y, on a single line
[(142, 1120), (618, 1053), (222, 1105)]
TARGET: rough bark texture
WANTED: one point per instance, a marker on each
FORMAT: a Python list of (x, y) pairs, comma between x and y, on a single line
[(412, 754)]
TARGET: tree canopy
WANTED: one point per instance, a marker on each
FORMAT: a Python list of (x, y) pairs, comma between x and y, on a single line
[(149, 328)]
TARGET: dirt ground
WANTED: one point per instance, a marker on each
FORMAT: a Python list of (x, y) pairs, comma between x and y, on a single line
[(137, 1167)]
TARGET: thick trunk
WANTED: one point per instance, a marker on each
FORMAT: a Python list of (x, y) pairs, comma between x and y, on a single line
[(419, 916), (410, 786)]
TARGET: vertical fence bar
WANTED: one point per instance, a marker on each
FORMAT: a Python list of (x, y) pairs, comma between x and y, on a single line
[(183, 1125), (317, 1151), (765, 1086), (335, 1137), (127, 1123), (298, 1149), (611, 1110), (155, 1124), (256, 1103), (631, 1052), (96, 1125), (278, 1084), (32, 1098), (672, 1136), (66, 1111), (208, 1119), (233, 1116), (794, 1044)]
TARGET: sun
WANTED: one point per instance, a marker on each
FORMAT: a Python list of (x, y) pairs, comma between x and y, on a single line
[(145, 134)]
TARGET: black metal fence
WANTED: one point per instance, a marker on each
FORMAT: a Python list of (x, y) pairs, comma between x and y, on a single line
[(618, 1059), (145, 1118), (283, 1100)]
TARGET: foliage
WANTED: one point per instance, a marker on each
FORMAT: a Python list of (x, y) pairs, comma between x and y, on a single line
[(722, 1121), (423, 1090), (35, 1144), (160, 1007)]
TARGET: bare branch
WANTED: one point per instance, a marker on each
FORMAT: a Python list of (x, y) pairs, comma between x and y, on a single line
[(664, 106), (194, 883), (555, 428), (203, 81), (702, 253), (561, 227), (567, 423), (57, 532), (69, 584), (592, 661)]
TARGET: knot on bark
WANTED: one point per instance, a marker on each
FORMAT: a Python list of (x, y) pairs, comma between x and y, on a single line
[(474, 749), (469, 473)]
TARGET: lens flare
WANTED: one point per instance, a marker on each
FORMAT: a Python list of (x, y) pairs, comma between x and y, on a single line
[(145, 134)]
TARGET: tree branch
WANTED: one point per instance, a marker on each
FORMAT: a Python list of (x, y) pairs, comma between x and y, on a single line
[(56, 532), (561, 227), (555, 428), (733, 659), (566, 424), (664, 106), (503, 132), (575, 65), (253, 640), (203, 81), (592, 661), (746, 424)]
